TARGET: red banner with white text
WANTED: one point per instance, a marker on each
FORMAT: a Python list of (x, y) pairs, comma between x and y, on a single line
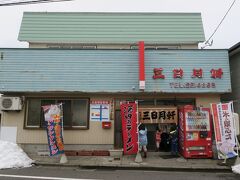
[(129, 127)]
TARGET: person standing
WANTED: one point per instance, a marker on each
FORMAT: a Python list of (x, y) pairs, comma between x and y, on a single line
[(142, 133), (174, 140), (158, 138)]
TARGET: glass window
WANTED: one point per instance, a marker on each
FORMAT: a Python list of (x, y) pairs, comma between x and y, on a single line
[(79, 116), (146, 102), (44, 103), (176, 102), (67, 114), (75, 112), (33, 113)]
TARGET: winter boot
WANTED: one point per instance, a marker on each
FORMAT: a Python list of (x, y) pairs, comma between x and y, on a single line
[(145, 155)]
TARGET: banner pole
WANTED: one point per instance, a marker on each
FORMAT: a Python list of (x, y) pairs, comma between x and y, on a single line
[(234, 124), (138, 158), (214, 127), (237, 161), (63, 156), (137, 122)]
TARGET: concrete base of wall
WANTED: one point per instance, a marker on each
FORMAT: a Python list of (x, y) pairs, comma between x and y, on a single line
[(43, 148)]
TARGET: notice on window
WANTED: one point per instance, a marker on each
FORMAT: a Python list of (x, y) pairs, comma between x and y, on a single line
[(100, 111)]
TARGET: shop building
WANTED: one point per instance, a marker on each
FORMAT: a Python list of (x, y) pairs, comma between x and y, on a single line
[(234, 59), (234, 96), (96, 58)]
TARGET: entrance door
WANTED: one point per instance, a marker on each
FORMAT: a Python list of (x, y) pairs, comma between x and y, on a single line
[(118, 141), (151, 130)]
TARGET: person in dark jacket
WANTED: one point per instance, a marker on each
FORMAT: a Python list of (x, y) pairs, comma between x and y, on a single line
[(174, 140)]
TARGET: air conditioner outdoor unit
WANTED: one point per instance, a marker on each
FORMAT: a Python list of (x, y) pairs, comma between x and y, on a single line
[(10, 103)]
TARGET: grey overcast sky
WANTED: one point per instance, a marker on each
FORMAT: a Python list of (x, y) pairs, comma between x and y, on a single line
[(212, 12)]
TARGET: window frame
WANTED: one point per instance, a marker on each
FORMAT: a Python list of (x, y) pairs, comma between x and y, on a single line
[(39, 126)]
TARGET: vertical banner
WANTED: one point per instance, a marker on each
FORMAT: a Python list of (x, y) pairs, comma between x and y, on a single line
[(223, 121), (54, 124), (129, 127)]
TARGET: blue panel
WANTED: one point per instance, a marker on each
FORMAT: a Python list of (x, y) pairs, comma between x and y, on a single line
[(38, 70), (68, 70), (187, 60)]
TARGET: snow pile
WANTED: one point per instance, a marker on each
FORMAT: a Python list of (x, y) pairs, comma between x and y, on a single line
[(12, 156), (236, 169)]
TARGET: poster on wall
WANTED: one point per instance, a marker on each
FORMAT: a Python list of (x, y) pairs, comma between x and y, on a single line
[(100, 111), (54, 124), (224, 129), (129, 127)]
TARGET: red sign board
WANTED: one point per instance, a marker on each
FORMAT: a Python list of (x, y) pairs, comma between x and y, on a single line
[(129, 128)]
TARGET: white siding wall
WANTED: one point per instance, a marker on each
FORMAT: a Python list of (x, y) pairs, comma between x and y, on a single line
[(95, 134)]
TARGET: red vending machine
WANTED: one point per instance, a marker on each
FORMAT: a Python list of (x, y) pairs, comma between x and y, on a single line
[(195, 132)]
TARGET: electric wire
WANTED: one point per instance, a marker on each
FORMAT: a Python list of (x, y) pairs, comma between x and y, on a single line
[(14, 3), (207, 41)]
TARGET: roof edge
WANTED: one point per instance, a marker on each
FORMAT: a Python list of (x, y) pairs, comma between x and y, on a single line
[(54, 12), (234, 49)]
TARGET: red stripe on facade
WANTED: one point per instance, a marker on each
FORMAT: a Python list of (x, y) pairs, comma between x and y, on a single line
[(141, 61)]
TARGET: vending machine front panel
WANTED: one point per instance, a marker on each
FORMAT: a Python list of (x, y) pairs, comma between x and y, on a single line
[(196, 132)]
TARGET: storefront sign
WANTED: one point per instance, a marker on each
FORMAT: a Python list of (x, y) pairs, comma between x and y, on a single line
[(158, 73), (158, 115), (203, 85), (129, 127), (179, 73), (54, 122), (224, 129), (192, 79), (100, 111)]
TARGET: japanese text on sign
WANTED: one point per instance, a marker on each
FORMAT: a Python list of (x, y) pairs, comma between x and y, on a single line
[(192, 85), (227, 123), (53, 120), (158, 115), (224, 129), (179, 73), (129, 128)]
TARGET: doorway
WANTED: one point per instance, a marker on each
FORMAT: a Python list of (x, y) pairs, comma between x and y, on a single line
[(118, 140)]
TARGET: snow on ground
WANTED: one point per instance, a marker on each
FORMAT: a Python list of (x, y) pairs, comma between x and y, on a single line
[(12, 156), (236, 169)]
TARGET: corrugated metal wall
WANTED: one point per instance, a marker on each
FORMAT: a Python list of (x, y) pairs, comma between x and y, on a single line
[(38, 70), (161, 28), (187, 60)]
